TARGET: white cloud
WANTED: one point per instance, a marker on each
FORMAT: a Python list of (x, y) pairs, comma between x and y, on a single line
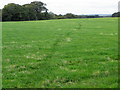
[(74, 6)]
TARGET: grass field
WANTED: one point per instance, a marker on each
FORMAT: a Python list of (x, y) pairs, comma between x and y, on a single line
[(69, 53)]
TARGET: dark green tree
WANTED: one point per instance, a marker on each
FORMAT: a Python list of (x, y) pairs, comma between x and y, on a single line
[(38, 8), (0, 14), (117, 14), (34, 11), (29, 13), (70, 15), (12, 12), (52, 15)]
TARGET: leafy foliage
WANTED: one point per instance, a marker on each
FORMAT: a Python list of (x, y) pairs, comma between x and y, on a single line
[(117, 14), (34, 11)]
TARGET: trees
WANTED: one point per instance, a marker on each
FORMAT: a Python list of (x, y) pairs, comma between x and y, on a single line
[(117, 14), (0, 14), (51, 15), (70, 15), (38, 8), (12, 12), (29, 13), (34, 11)]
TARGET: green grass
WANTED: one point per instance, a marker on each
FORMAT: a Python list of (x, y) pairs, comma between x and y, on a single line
[(69, 53)]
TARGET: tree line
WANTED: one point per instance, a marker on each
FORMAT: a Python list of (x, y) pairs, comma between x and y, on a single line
[(36, 10), (117, 14)]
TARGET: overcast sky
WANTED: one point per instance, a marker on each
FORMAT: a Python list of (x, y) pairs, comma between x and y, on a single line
[(74, 6)]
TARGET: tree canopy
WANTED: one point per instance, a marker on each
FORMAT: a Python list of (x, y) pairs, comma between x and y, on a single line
[(34, 11), (117, 14)]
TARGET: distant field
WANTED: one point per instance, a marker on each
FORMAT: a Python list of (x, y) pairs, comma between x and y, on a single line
[(69, 53)]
